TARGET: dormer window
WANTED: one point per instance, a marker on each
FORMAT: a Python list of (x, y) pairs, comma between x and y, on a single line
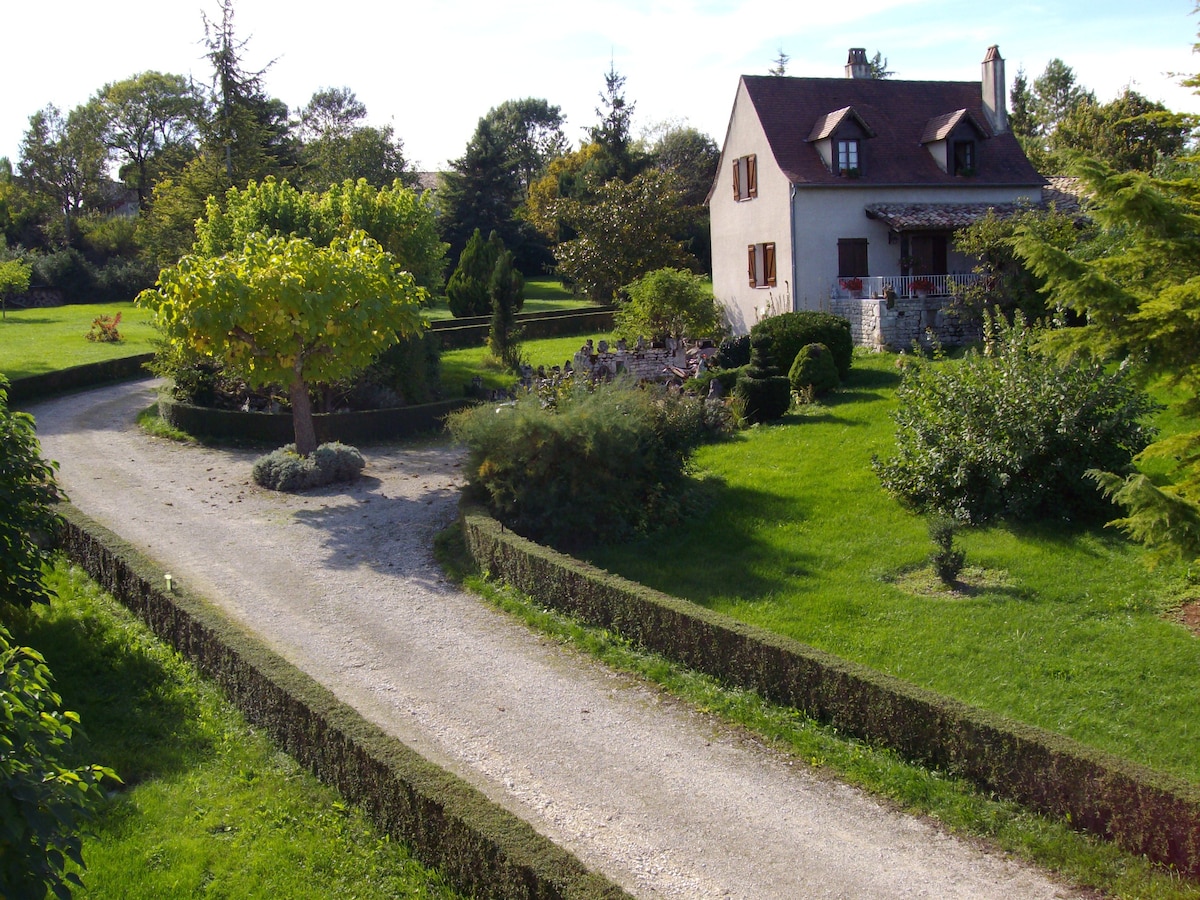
[(847, 162), (964, 158), (745, 177)]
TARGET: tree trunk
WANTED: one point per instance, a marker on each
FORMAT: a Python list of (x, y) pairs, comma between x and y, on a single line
[(302, 417)]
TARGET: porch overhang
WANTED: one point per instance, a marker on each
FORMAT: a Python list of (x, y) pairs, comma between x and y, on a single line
[(908, 217)]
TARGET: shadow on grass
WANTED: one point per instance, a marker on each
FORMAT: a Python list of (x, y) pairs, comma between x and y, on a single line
[(718, 552)]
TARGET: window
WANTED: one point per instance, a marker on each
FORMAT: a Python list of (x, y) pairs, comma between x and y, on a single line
[(847, 158), (852, 257), (964, 158), (762, 265), (745, 177)]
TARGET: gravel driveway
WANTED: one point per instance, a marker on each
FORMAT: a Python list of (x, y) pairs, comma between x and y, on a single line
[(341, 582)]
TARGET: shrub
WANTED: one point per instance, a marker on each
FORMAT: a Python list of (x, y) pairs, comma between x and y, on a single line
[(286, 470), (596, 464), (787, 333), (946, 559), (813, 371), (42, 802), (669, 303), (104, 329), (761, 392), (66, 271), (27, 522), (733, 352), (1011, 434)]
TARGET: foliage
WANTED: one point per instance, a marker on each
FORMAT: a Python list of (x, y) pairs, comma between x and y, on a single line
[(1140, 298), (1130, 132), (619, 157), (14, 277), (813, 371), (946, 559), (598, 463), (1013, 433), (104, 329), (669, 303), (27, 494), (506, 287), (761, 392), (733, 352), (467, 291), (1007, 283), (62, 164), (43, 801), (564, 179), (286, 470), (623, 232), (338, 147), (283, 311), (786, 333), (1037, 112)]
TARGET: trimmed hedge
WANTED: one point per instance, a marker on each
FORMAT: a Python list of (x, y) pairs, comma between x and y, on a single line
[(363, 427), (482, 848), (1141, 810), (473, 331), (36, 387)]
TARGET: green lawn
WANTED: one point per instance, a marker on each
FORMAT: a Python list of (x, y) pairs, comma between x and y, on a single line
[(541, 295), (34, 341), (793, 533), (209, 807), (460, 366)]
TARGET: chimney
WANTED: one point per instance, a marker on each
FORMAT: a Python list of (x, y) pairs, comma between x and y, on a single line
[(857, 65), (993, 90)]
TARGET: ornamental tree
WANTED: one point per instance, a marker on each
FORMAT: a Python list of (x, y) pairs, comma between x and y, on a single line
[(285, 311), (669, 303)]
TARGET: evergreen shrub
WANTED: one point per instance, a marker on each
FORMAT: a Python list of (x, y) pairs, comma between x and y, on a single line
[(286, 470), (787, 333), (762, 393), (813, 371), (733, 352)]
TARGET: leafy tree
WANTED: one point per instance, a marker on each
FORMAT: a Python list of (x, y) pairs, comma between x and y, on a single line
[(331, 112), (14, 277), (285, 311), (62, 162), (27, 520), (564, 180), (669, 303), (629, 229), (151, 124), (507, 290), (1020, 109), (43, 801), (337, 146), (1011, 432), (692, 157), (531, 129), (1131, 132), (1055, 94), (1139, 295)]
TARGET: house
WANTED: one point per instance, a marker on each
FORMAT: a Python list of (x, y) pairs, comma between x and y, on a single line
[(836, 193)]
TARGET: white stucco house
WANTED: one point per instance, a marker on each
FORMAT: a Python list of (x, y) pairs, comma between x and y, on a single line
[(832, 189)]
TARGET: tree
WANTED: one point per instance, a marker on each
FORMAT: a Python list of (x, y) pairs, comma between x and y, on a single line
[(564, 180), (14, 277), (692, 157), (43, 800), (62, 162), (27, 520), (779, 64), (629, 229), (507, 290), (878, 64), (613, 133), (669, 303), (151, 124), (469, 290), (285, 311), (1130, 132), (531, 129), (1139, 294), (336, 146)]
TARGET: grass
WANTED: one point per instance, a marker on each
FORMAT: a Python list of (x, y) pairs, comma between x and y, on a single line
[(35, 341), (209, 806), (953, 803), (541, 295), (793, 533), (459, 366)]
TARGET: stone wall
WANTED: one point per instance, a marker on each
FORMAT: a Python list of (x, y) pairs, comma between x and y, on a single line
[(873, 324)]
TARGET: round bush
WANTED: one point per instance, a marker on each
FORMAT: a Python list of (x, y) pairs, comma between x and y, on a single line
[(286, 470), (813, 371), (763, 393), (787, 333)]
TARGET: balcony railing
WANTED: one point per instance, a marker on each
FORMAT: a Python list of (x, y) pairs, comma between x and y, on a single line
[(903, 285)]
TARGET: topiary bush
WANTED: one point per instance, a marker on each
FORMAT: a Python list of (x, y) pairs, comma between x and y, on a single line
[(587, 465), (1012, 434), (787, 333), (813, 371), (733, 352), (761, 392), (286, 470)]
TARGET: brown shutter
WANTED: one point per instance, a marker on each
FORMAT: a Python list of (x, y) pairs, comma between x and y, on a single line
[(769, 264), (752, 175), (753, 268), (737, 180)]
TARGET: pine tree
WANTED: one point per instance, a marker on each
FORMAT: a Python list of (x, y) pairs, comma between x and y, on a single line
[(507, 290)]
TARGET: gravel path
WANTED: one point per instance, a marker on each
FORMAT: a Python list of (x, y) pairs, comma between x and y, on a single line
[(342, 583)]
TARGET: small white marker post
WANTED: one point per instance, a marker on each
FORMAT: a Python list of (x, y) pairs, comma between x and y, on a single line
[(169, 588)]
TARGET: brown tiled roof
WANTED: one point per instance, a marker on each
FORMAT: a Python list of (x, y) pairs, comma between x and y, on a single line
[(939, 127), (1066, 192), (938, 216), (897, 111), (826, 125)]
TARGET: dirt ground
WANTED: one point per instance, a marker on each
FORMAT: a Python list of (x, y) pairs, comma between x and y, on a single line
[(662, 799)]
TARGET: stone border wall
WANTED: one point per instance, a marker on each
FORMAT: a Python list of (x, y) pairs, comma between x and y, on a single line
[(873, 324)]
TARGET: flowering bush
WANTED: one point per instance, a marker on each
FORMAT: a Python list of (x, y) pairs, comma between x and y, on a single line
[(922, 284), (104, 329), (851, 284)]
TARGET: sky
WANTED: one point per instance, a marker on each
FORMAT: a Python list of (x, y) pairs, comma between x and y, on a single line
[(431, 69)]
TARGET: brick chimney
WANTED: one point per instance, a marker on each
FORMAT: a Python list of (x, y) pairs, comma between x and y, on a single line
[(993, 90), (857, 65)]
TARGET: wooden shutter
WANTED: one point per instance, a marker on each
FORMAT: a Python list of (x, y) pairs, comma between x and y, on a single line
[(753, 267), (769, 264), (737, 179), (752, 175)]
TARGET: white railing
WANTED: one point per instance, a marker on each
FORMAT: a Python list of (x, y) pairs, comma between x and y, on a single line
[(902, 285)]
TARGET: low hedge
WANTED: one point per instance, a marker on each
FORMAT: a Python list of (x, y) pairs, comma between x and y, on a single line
[(1141, 810), (473, 331), (363, 427), (482, 848), (36, 387)]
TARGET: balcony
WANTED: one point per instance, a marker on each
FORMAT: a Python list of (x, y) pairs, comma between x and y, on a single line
[(904, 285)]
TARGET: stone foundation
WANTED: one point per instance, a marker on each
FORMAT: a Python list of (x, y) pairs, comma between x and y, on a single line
[(918, 319)]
